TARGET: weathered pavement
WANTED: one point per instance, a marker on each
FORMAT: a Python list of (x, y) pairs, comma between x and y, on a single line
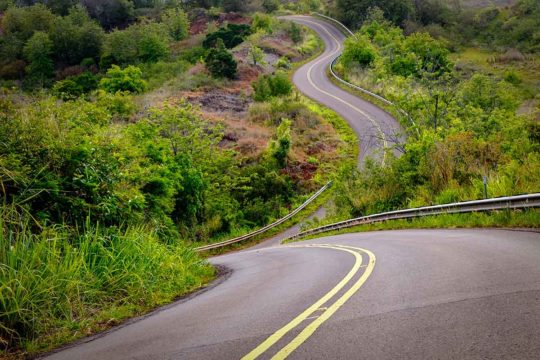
[(445, 294)]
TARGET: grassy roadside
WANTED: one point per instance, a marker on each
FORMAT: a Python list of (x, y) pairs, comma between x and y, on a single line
[(348, 154), (59, 286), (527, 219)]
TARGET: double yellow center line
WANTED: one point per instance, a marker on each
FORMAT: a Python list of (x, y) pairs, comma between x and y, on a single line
[(329, 310)]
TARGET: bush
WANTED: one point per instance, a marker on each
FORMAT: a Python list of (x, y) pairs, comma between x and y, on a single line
[(262, 22), (120, 105), (231, 35), (193, 55), (512, 77), (38, 51), (76, 37), (128, 79), (220, 62), (177, 23), (268, 86), (358, 51), (283, 63), (295, 33), (75, 86), (280, 147), (270, 5), (147, 42)]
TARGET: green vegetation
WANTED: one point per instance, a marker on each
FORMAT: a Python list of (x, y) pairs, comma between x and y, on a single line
[(269, 86), (220, 62), (109, 178), (231, 36), (497, 28), (58, 285), (465, 126)]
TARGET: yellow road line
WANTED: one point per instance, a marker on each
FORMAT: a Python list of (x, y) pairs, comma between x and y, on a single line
[(310, 310), (310, 80), (274, 338), (313, 326)]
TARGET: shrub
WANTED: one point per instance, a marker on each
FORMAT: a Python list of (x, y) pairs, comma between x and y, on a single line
[(358, 51), (128, 79), (76, 37), (268, 86), (270, 5), (512, 77), (220, 62), (280, 147), (262, 22), (283, 63), (256, 55), (147, 42), (75, 86), (177, 23), (231, 35), (120, 104), (193, 55), (295, 33), (38, 51)]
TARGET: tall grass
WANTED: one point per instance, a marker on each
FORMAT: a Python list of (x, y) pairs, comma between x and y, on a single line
[(56, 285)]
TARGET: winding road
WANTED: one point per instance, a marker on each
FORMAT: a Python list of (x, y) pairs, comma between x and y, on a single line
[(412, 294)]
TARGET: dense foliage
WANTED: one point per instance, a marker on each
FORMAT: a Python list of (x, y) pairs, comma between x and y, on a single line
[(465, 127), (512, 27)]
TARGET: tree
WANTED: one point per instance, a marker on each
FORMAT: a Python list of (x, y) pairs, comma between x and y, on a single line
[(110, 13), (75, 37), (177, 23), (358, 51), (128, 79), (262, 22), (220, 62), (279, 84), (354, 12), (61, 7), (75, 86), (256, 55), (295, 33), (268, 86), (23, 22), (431, 54), (280, 147), (148, 42), (37, 51), (233, 5), (152, 46), (270, 5), (231, 35)]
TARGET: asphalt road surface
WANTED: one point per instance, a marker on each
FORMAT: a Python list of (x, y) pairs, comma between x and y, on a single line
[(375, 128), (412, 294)]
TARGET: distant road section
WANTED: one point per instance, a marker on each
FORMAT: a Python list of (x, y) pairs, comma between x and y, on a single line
[(374, 127)]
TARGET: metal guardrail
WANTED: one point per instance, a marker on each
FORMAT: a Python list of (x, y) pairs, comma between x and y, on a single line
[(501, 203), (356, 87), (336, 21), (267, 227)]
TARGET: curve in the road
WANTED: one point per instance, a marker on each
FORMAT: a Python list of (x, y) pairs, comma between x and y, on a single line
[(445, 294), (372, 125)]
